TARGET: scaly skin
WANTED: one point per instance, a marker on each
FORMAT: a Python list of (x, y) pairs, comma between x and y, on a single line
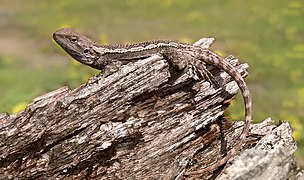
[(179, 55)]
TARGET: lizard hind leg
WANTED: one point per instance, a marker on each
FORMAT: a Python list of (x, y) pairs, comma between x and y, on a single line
[(206, 74)]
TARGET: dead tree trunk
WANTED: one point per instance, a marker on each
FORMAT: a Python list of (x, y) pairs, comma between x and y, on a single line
[(146, 121)]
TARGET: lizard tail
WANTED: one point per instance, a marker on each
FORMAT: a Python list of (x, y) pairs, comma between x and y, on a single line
[(216, 60)]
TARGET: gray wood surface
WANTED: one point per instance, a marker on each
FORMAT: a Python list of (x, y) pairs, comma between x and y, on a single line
[(146, 121)]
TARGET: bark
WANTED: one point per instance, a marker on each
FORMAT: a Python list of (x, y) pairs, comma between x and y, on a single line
[(146, 121)]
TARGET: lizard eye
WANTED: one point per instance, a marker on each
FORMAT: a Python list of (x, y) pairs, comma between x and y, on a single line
[(74, 39)]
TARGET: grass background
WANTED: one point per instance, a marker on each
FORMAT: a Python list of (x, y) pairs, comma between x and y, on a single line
[(268, 35)]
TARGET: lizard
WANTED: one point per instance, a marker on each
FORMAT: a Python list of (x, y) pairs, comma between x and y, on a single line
[(109, 58)]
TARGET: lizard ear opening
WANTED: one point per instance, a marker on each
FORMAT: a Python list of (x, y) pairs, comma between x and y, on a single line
[(86, 51)]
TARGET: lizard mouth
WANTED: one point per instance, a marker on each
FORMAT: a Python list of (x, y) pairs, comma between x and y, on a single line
[(87, 59)]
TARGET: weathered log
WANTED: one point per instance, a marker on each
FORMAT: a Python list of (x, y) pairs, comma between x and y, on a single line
[(146, 121), (270, 158)]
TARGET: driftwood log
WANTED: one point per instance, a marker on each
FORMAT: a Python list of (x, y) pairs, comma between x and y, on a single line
[(146, 121)]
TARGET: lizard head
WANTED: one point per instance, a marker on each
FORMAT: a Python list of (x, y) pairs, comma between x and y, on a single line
[(76, 45)]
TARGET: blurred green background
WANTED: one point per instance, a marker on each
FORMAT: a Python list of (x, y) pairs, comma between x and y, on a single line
[(268, 35)]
